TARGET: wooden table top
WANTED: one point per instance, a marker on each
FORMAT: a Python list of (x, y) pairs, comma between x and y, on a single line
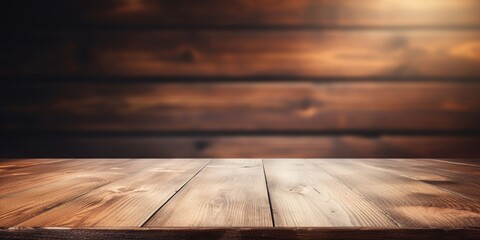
[(439, 198)]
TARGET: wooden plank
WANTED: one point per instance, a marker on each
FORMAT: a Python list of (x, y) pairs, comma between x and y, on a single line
[(226, 193), (267, 13), (460, 167), (128, 202), (409, 202), (281, 107), (238, 146), (15, 166), (20, 206), (43, 174), (447, 167), (242, 233), (304, 195), (425, 164), (461, 183), (460, 161), (294, 53)]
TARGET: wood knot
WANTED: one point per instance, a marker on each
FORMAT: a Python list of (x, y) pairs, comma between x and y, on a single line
[(306, 108), (187, 55), (125, 189), (201, 145)]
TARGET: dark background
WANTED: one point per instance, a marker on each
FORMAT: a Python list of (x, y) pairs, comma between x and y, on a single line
[(240, 78)]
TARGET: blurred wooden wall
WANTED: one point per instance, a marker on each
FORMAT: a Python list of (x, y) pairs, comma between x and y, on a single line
[(240, 78)]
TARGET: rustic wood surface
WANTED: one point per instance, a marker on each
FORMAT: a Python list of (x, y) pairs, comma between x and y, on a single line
[(21, 205), (463, 180), (127, 202), (411, 203), (225, 193), (303, 194), (195, 193)]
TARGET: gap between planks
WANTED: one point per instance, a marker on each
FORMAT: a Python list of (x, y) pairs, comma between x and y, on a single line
[(268, 194), (153, 213), (226, 193), (128, 202)]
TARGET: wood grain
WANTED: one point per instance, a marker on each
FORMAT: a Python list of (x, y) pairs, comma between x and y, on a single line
[(238, 146), (43, 174), (410, 202), (14, 166), (227, 193), (282, 107), (462, 183), (459, 166), (243, 233), (388, 194), (248, 53), (266, 13), (20, 206), (460, 161), (128, 202), (302, 194)]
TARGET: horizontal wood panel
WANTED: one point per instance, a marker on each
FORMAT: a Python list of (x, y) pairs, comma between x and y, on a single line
[(210, 13), (329, 53), (243, 146), (281, 107), (243, 233)]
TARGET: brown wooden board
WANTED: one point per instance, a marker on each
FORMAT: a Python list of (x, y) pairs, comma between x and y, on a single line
[(227, 192), (457, 166), (19, 206), (462, 183), (281, 107), (128, 202), (460, 161), (43, 174), (303, 194), (409, 202), (246, 53), (238, 13), (15, 166), (387, 194)]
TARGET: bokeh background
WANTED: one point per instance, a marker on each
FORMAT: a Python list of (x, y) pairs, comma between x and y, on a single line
[(240, 78)]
